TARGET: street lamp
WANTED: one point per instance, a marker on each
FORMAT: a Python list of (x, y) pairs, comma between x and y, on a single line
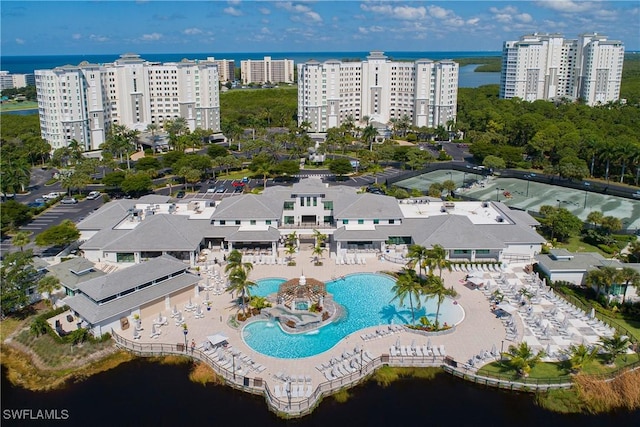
[(501, 350), (498, 190), (186, 331), (528, 181), (464, 178)]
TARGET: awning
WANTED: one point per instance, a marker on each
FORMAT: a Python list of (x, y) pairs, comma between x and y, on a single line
[(217, 339), (507, 307)]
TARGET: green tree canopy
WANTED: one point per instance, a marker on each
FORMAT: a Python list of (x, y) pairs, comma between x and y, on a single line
[(340, 166), (136, 184), (62, 234), (18, 275)]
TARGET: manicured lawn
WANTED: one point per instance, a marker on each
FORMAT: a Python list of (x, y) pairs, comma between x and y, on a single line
[(574, 244), (14, 106), (544, 370)]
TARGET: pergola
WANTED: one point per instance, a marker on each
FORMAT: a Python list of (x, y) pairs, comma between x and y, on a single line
[(302, 288)]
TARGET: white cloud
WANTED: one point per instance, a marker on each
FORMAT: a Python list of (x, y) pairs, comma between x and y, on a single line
[(151, 37), (20, 41), (438, 12), (264, 11), (98, 38), (192, 31), (234, 2), (371, 29), (567, 5), (407, 13), (300, 12), (524, 17), (473, 21), (265, 30), (76, 36), (232, 11)]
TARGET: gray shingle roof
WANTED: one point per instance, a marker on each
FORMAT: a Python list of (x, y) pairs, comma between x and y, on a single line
[(580, 261), (94, 313), (367, 206), (451, 232), (107, 216), (380, 234), (67, 271), (246, 206), (115, 283), (161, 232)]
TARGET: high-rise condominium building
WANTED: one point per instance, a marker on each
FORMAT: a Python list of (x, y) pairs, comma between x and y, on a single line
[(548, 66), (267, 70), (380, 89), (10, 81), (226, 68), (82, 102)]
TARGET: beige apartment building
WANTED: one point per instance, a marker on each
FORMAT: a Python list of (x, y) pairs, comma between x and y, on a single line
[(548, 66), (378, 88), (82, 102), (267, 70)]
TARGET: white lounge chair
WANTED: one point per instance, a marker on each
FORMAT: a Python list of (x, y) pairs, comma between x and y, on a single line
[(276, 391)]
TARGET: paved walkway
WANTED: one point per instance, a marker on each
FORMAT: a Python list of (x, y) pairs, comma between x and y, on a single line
[(480, 329)]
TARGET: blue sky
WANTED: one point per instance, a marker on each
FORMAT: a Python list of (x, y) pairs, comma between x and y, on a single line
[(156, 26)]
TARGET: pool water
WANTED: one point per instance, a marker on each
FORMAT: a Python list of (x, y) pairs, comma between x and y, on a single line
[(366, 299)]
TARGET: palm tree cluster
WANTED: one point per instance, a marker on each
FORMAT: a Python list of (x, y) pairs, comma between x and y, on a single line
[(413, 285), (239, 278), (605, 278)]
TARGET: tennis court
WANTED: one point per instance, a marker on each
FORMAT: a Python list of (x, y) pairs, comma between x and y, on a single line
[(530, 195)]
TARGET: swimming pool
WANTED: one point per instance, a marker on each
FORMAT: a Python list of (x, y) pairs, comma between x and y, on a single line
[(366, 299)]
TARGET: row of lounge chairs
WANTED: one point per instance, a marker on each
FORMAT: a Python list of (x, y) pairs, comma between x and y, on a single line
[(382, 332), (417, 351), (351, 260), (473, 268), (295, 391)]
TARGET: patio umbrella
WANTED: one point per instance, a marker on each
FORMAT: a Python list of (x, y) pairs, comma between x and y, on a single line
[(206, 296), (494, 350), (197, 289), (398, 342), (592, 313), (153, 329), (548, 350), (429, 343)]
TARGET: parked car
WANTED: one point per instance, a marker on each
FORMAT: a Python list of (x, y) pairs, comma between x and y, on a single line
[(636, 194), (93, 195), (220, 190), (180, 194), (52, 195), (211, 190), (68, 201)]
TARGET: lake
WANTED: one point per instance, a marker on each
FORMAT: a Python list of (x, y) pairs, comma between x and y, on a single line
[(141, 393)]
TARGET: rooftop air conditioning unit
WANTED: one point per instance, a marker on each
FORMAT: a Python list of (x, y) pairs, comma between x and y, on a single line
[(485, 204)]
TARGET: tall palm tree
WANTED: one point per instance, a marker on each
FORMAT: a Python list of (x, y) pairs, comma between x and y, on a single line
[(369, 134), (21, 239), (408, 285), (434, 286), (522, 358), (48, 284), (241, 285), (234, 261), (629, 277), (602, 278), (437, 258), (318, 250), (417, 255), (614, 346)]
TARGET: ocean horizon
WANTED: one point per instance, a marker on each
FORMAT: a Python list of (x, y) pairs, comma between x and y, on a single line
[(26, 64)]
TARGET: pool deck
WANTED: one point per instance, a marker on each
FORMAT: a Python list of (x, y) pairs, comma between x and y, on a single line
[(480, 330)]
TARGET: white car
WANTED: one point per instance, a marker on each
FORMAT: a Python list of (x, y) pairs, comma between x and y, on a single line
[(52, 195), (93, 195)]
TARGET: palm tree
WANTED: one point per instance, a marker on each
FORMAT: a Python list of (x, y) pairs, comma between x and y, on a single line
[(369, 134), (629, 277), (602, 278), (437, 258), (234, 261), (48, 284), (417, 256), (239, 283), (614, 346), (318, 250), (408, 285), (434, 286), (21, 239), (595, 218), (580, 355), (522, 358)]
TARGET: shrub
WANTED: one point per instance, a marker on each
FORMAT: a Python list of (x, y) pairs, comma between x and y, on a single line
[(606, 248)]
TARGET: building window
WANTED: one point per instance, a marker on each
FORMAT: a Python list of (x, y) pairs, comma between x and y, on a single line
[(288, 220), (376, 221), (328, 206), (361, 221), (252, 222), (268, 222), (345, 221), (125, 257), (223, 222), (392, 221), (288, 206), (237, 222)]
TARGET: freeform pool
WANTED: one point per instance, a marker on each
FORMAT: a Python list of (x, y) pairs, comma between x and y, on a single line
[(367, 300)]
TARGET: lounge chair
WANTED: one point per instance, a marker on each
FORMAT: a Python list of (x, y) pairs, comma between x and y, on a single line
[(328, 375), (443, 353), (308, 391)]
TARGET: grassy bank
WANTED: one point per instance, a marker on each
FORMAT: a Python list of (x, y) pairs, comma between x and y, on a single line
[(16, 106)]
